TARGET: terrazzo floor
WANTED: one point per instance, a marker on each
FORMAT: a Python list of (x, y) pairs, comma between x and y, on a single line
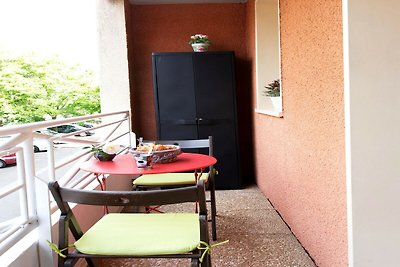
[(256, 237)]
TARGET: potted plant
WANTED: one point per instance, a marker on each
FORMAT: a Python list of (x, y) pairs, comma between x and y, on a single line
[(106, 152), (273, 89), (199, 42)]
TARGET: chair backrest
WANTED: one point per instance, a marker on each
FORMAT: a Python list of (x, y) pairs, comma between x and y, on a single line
[(192, 144), (189, 144), (63, 196)]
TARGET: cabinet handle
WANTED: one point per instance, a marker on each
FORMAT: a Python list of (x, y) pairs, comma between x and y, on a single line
[(204, 121)]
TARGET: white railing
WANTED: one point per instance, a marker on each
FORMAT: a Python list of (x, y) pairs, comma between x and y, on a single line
[(34, 201)]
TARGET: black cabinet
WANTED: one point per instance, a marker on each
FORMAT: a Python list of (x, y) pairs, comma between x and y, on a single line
[(194, 98)]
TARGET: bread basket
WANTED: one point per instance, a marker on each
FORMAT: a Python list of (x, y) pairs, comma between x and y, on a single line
[(168, 154)]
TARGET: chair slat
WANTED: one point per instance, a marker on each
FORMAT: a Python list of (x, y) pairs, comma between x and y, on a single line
[(198, 143), (130, 198)]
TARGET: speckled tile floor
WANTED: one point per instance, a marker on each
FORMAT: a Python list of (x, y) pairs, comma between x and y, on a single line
[(256, 239)]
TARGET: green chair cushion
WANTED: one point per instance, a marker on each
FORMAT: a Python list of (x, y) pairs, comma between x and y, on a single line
[(142, 234), (168, 179)]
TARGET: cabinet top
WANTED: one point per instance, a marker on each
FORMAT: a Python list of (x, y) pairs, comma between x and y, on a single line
[(194, 53)]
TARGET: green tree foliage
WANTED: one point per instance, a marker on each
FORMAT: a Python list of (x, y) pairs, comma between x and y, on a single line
[(30, 88)]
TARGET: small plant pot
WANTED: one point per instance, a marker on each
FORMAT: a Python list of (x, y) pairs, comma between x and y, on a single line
[(101, 156), (200, 47), (276, 102)]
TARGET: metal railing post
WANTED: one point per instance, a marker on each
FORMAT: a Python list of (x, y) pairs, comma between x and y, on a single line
[(38, 204)]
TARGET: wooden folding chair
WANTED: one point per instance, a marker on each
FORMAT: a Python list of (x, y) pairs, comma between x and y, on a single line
[(133, 235)]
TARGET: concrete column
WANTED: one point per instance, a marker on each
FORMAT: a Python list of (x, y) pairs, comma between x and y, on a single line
[(372, 101), (113, 56)]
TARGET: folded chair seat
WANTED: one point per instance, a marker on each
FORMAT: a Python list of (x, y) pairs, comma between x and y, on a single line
[(168, 179), (141, 235)]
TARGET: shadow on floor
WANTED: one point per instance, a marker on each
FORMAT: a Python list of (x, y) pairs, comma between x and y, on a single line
[(256, 233)]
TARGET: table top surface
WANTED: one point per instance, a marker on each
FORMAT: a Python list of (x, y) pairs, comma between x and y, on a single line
[(126, 165)]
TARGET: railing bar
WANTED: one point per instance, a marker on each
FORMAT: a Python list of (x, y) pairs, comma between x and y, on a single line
[(9, 189), (13, 141), (112, 140), (73, 171), (75, 133), (64, 137), (74, 158), (7, 130), (77, 181), (7, 244), (89, 181), (72, 140), (6, 225), (12, 230), (63, 163), (125, 148), (97, 143), (9, 232), (66, 162), (119, 136), (84, 180), (108, 124), (112, 131), (63, 181), (43, 180)]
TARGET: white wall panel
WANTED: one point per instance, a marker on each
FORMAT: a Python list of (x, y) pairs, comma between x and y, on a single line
[(372, 93)]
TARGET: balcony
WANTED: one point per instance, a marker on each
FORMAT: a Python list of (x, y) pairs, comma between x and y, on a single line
[(239, 211), (326, 157)]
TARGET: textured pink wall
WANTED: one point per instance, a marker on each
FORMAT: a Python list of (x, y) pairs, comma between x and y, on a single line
[(300, 162), (300, 159)]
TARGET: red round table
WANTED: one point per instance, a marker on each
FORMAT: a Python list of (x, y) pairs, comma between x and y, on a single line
[(126, 164)]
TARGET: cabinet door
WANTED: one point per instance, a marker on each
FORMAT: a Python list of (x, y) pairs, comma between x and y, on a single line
[(214, 85), (216, 113), (174, 96), (225, 150)]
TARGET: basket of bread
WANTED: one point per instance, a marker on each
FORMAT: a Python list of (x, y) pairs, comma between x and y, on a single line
[(161, 153)]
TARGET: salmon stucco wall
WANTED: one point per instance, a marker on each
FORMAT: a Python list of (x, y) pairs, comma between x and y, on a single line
[(300, 158), (167, 28)]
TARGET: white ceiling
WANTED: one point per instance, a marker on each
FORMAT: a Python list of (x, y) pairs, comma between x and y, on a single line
[(158, 2)]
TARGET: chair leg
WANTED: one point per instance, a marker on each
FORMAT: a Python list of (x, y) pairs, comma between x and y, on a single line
[(194, 263), (90, 262), (149, 209), (213, 211), (70, 262), (206, 261)]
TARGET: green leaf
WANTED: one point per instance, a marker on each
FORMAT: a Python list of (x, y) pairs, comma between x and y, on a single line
[(32, 87)]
